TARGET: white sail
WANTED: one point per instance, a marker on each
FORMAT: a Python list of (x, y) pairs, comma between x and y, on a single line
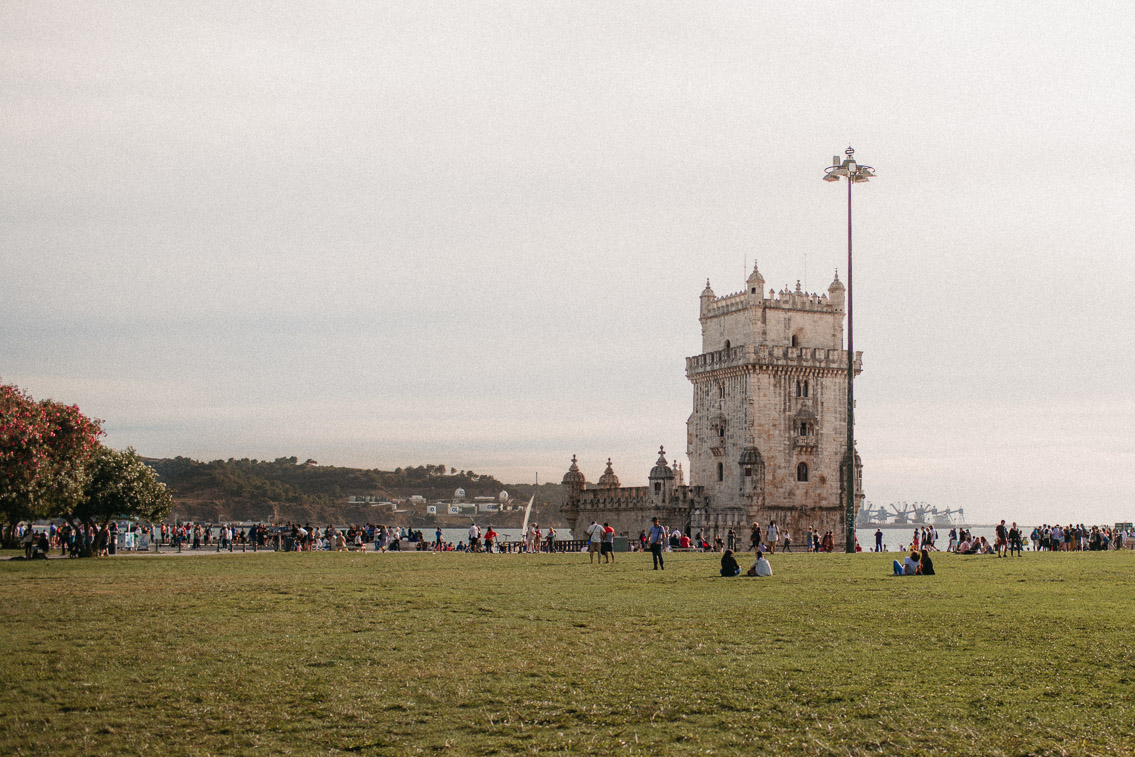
[(527, 512)]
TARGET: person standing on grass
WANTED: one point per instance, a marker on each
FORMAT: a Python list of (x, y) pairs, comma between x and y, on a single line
[(773, 535), (474, 538), (755, 537), (656, 540), (1002, 540), (787, 541), (1014, 540), (594, 540), (607, 550)]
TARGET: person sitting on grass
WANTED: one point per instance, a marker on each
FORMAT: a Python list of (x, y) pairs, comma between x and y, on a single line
[(760, 566), (729, 566), (908, 567), (925, 564)]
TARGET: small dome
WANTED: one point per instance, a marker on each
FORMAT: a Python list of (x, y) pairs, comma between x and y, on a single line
[(805, 414), (609, 480), (503, 496), (459, 494), (756, 281), (750, 456), (837, 285), (573, 476), (708, 291), (661, 469)]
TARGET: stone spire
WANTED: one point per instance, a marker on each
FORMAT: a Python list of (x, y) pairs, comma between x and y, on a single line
[(609, 480)]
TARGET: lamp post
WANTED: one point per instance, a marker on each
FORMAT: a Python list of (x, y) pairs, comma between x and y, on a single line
[(854, 173)]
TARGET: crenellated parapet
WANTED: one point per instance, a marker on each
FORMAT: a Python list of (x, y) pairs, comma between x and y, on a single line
[(785, 299), (770, 357)]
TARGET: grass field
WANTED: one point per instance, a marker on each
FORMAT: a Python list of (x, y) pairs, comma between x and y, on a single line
[(476, 654)]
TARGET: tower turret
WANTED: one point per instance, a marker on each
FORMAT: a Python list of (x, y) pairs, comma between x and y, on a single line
[(835, 293), (756, 284), (573, 481), (609, 480), (661, 479), (707, 298)]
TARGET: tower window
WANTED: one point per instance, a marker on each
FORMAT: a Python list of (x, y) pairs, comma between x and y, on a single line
[(748, 471), (721, 431), (801, 472), (805, 388), (720, 471), (798, 389), (657, 487), (727, 344), (794, 344), (753, 290)]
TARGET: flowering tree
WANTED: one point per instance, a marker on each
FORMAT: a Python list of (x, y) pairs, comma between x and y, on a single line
[(45, 448), (119, 485)]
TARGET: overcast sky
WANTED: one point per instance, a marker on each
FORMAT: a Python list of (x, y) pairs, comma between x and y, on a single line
[(382, 234)]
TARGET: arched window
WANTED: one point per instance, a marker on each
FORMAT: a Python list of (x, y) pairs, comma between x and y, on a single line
[(726, 344), (794, 340), (803, 428), (798, 389), (720, 471), (801, 472), (657, 487), (721, 391), (805, 388)]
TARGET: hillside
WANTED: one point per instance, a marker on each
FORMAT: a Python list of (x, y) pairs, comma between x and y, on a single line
[(285, 489)]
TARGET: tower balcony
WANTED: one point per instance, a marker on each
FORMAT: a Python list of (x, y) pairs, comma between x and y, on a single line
[(805, 442), (766, 356)]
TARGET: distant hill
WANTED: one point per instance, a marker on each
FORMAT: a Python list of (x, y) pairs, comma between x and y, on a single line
[(285, 489)]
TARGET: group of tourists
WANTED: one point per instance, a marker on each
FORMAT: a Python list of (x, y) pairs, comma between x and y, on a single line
[(532, 540), (1078, 538), (1010, 539)]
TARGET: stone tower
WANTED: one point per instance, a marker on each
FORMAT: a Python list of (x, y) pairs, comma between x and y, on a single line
[(768, 431)]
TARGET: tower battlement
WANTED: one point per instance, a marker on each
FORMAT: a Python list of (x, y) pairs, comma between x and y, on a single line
[(767, 356)]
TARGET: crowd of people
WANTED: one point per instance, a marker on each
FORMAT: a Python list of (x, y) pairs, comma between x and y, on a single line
[(1008, 540)]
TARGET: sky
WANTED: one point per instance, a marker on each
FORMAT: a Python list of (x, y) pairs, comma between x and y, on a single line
[(474, 233)]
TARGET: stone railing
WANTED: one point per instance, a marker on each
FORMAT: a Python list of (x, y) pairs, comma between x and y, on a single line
[(765, 355)]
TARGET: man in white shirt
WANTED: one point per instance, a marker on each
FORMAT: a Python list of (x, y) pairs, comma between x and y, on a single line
[(594, 540), (474, 537), (760, 566)]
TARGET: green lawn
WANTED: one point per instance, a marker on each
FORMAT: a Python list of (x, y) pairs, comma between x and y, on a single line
[(417, 653)]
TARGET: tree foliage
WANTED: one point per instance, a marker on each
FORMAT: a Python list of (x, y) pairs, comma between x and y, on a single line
[(45, 448), (121, 485)]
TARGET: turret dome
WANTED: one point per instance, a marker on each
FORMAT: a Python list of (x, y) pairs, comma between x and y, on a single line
[(573, 475), (661, 469), (609, 480)]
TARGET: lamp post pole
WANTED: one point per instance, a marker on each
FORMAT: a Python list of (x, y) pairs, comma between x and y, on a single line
[(854, 173)]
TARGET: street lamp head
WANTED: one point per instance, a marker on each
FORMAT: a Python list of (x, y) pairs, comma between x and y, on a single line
[(831, 176)]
